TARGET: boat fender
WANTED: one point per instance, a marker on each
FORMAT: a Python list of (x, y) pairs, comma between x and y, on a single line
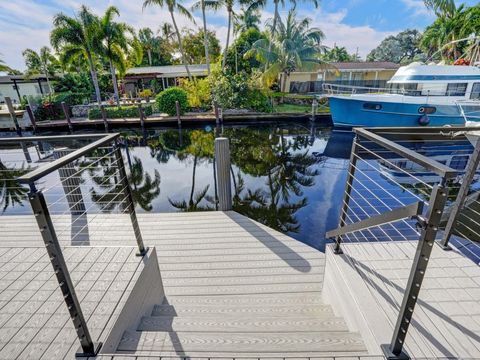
[(424, 120)]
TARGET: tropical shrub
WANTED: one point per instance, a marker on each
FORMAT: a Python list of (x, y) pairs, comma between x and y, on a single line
[(48, 109), (198, 92), (167, 98), (240, 91), (146, 93), (114, 112)]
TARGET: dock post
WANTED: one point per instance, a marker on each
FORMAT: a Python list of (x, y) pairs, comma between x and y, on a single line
[(438, 199), (54, 250), (222, 157), (130, 206), (470, 171), (347, 192), (66, 111), (314, 108), (31, 116), (177, 110), (140, 113), (13, 116), (104, 117)]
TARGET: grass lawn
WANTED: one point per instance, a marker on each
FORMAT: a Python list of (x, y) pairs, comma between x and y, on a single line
[(291, 108)]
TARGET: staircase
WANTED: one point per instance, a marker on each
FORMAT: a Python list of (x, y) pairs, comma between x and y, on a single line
[(246, 292)]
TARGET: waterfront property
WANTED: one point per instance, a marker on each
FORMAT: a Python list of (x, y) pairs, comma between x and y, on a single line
[(18, 86), (224, 283), (365, 74)]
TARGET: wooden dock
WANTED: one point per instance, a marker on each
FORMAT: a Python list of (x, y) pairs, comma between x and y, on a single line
[(234, 289)]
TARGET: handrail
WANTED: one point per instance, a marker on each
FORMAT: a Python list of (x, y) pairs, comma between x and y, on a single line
[(430, 164), (49, 137), (55, 165)]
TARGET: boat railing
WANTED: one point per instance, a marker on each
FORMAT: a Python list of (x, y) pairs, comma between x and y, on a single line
[(70, 182), (398, 189)]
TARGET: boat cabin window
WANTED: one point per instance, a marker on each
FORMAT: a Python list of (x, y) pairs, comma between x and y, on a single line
[(459, 162), (475, 94), (405, 88), (457, 89)]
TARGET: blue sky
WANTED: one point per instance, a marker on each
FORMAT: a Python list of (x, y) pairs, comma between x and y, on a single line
[(354, 24)]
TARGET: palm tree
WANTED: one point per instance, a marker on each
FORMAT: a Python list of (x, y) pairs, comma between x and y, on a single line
[(260, 4), (4, 67), (77, 37), (147, 39), (295, 46), (43, 62), (247, 19), (115, 44), (217, 5), (201, 5), (11, 191), (173, 5), (442, 8)]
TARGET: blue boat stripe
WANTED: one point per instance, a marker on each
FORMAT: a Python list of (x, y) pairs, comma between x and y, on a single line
[(435, 77)]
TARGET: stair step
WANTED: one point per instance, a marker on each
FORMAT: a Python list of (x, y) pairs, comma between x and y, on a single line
[(239, 323), (297, 299), (209, 310), (246, 343)]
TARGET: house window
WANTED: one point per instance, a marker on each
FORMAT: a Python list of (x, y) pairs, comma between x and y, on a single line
[(456, 89), (475, 94)]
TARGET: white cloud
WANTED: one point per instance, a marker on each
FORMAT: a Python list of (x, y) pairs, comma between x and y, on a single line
[(418, 7)]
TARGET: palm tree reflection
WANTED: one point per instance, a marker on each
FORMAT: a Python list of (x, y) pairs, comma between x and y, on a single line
[(11, 191)]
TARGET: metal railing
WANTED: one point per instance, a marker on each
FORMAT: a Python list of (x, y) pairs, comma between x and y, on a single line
[(405, 184), (55, 178)]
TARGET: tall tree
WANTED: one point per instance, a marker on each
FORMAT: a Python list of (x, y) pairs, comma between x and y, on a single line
[(201, 5), (3, 66), (43, 62), (295, 46), (193, 43), (260, 4), (172, 6), (442, 8), (77, 37), (228, 5), (116, 43), (401, 48), (248, 18), (148, 41), (338, 54)]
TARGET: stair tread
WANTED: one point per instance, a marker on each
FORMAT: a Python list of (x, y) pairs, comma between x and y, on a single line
[(239, 322), (259, 342)]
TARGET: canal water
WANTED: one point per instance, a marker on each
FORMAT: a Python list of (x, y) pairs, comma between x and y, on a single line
[(288, 176)]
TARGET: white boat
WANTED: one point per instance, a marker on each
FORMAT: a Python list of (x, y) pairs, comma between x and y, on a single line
[(417, 95)]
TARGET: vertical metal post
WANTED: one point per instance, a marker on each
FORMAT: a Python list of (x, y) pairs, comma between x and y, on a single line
[(462, 195), (104, 117), (436, 206), (177, 110), (13, 116), (31, 116), (129, 198), (70, 179), (66, 111), (347, 192), (40, 210), (222, 156)]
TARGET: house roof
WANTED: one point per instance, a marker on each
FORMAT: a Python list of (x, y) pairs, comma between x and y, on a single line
[(368, 65), (21, 78), (168, 71)]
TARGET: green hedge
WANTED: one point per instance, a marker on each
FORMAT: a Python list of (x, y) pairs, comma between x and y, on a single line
[(114, 112), (167, 98)]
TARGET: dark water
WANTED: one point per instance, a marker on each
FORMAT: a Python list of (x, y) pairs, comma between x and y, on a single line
[(290, 177)]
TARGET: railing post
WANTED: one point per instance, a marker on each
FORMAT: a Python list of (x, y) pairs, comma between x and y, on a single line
[(67, 116), (177, 110), (222, 157), (13, 116), (129, 198), (31, 116), (470, 171), (142, 117), (70, 180), (40, 210), (348, 189), (438, 199)]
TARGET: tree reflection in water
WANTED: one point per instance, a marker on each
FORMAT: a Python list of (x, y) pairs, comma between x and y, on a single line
[(11, 191)]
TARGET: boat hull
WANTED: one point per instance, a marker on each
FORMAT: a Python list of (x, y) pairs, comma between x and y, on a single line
[(350, 112)]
